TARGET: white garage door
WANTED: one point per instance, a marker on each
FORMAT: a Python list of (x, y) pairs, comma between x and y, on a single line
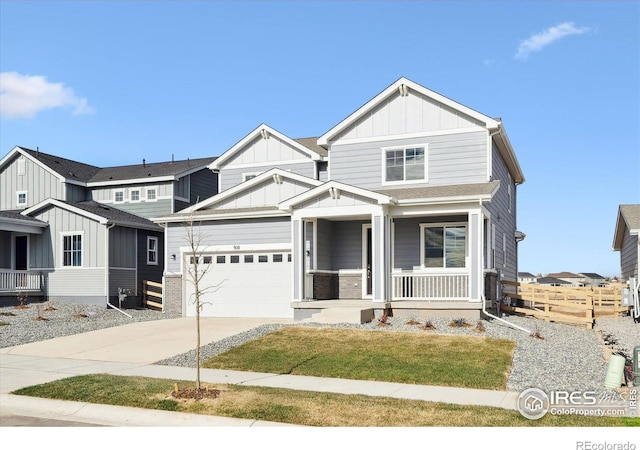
[(253, 284)]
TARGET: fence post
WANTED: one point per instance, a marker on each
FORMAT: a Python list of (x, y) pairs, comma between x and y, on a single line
[(590, 312), (546, 306)]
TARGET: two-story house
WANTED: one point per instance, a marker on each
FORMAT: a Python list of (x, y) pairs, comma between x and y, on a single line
[(74, 232), (626, 240), (406, 206)]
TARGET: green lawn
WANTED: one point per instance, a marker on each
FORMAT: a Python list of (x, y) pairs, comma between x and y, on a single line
[(462, 361)]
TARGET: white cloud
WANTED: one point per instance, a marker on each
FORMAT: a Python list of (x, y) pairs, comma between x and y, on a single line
[(23, 96), (539, 41)]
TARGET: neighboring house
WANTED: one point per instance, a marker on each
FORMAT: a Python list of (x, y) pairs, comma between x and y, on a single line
[(551, 281), (408, 205), (526, 277), (626, 240), (571, 278), (74, 232), (593, 279)]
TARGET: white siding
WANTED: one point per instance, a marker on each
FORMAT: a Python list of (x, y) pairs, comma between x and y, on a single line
[(39, 184)]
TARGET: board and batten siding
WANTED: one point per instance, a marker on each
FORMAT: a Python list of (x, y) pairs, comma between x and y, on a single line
[(503, 217), (40, 184), (122, 247), (5, 249), (414, 113), (267, 193), (629, 255), (203, 185), (146, 271), (451, 159), (231, 176), (46, 248), (242, 232)]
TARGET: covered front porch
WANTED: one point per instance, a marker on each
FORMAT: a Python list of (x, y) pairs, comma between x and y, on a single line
[(362, 246), (17, 236)]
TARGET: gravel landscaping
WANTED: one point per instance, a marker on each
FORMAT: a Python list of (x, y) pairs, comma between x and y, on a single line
[(563, 357)]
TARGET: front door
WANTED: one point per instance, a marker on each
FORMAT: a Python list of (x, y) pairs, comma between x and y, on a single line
[(21, 246), (367, 260)]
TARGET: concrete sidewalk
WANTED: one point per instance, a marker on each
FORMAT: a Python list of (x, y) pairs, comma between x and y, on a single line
[(102, 351)]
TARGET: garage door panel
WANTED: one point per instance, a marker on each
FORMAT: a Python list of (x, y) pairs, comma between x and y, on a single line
[(247, 289)]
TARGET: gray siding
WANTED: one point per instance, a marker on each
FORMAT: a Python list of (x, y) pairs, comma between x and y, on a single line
[(204, 184), (146, 271), (230, 176), (503, 216), (179, 206), (347, 245), (121, 278), (266, 193), (122, 247), (247, 232), (46, 248), (5, 250), (181, 188), (76, 193), (39, 183), (325, 244), (451, 159), (144, 208), (76, 283), (629, 256)]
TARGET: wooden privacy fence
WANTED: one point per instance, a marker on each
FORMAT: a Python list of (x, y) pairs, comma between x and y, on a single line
[(153, 290), (572, 305)]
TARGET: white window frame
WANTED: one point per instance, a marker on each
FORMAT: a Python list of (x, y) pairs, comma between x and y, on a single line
[(115, 195), (155, 194), (26, 198), (423, 226), (131, 191), (249, 175), (154, 250), (64, 234), (404, 148), (510, 193), (504, 250)]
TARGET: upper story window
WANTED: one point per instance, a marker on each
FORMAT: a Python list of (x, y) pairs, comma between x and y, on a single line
[(22, 198), (248, 176), (444, 245), (72, 250), (152, 250), (134, 195), (405, 164), (118, 197), (151, 194)]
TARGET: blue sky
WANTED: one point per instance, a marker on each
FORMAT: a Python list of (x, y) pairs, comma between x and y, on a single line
[(111, 83)]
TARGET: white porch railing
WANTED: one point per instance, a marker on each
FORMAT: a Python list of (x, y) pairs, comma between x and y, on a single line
[(430, 286), (20, 280)]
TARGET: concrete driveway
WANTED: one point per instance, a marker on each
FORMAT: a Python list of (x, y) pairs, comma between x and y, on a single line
[(140, 342)]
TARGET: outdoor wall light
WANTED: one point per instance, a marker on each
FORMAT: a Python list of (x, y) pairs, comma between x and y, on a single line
[(173, 257)]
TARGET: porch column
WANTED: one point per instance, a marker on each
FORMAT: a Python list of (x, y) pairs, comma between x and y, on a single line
[(297, 258), (379, 256), (476, 278)]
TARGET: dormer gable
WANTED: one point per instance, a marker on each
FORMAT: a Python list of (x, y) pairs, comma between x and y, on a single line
[(265, 146)]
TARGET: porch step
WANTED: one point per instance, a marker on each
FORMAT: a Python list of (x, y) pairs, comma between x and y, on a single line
[(342, 315)]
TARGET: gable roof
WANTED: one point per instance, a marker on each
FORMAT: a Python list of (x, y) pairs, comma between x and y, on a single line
[(246, 185), (99, 212), (551, 280), (563, 275), (526, 275), (381, 199), (592, 275), (628, 219), (265, 131), (76, 172), (403, 84)]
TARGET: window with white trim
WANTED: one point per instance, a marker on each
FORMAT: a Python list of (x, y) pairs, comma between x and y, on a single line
[(151, 194), (134, 195), (248, 176), (152, 250), (405, 164), (22, 198), (504, 250), (443, 245), (72, 250), (118, 197)]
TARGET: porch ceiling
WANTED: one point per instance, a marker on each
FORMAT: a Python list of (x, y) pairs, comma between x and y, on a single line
[(14, 221)]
